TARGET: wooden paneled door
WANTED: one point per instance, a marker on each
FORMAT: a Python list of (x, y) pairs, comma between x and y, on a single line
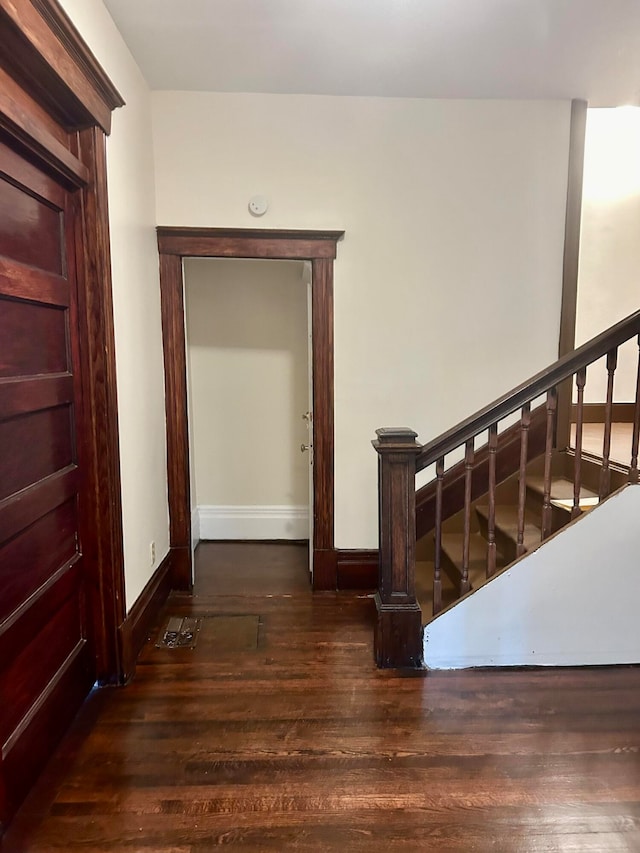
[(47, 665), (61, 574)]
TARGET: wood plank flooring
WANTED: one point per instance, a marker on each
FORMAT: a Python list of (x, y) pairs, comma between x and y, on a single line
[(283, 736), (593, 438)]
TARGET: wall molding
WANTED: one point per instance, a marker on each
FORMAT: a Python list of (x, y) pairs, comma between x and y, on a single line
[(253, 522), (594, 413), (357, 569), (142, 617)]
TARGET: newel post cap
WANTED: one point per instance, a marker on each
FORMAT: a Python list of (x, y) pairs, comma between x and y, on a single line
[(396, 438)]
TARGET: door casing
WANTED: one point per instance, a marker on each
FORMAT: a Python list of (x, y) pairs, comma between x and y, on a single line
[(318, 247)]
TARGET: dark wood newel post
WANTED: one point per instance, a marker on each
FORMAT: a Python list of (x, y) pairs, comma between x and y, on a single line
[(398, 637)]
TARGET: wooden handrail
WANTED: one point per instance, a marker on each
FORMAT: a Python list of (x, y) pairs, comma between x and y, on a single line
[(528, 391)]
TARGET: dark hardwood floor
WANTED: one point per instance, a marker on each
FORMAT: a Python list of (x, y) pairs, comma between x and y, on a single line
[(277, 733)]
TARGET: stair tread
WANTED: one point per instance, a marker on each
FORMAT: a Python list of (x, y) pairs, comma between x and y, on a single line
[(507, 514), (561, 489), (452, 544), (477, 543), (507, 522)]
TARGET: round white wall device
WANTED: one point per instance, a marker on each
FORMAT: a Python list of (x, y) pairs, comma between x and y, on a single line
[(258, 205)]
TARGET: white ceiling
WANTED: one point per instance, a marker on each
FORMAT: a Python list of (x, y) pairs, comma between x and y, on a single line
[(401, 48)]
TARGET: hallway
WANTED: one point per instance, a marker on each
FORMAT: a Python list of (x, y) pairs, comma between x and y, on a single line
[(277, 733)]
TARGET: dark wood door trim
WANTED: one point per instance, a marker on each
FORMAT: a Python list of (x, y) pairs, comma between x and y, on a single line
[(175, 389), (325, 569), (283, 245), (43, 51), (100, 438), (318, 247)]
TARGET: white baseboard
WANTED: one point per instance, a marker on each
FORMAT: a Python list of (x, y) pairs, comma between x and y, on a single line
[(253, 522)]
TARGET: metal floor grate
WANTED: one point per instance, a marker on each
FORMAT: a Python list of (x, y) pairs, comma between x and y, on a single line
[(180, 633)]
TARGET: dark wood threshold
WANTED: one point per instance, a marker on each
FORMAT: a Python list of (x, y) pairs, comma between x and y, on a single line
[(357, 569), (594, 413), (334, 569), (133, 632)]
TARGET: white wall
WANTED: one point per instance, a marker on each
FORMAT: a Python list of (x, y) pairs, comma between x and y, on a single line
[(448, 282), (136, 297), (609, 271), (573, 602), (247, 351)]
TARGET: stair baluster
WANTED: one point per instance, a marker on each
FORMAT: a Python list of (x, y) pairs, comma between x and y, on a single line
[(581, 380), (552, 405), (468, 474), (491, 521), (633, 472), (605, 471), (437, 558), (525, 423)]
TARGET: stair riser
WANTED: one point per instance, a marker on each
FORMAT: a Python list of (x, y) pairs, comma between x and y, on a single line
[(559, 515), (505, 543), (590, 474), (449, 567)]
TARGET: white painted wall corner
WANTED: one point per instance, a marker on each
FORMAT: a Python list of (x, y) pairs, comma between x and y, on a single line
[(195, 527)]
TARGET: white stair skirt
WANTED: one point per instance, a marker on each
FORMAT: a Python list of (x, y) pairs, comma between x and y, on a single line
[(572, 602), (254, 522)]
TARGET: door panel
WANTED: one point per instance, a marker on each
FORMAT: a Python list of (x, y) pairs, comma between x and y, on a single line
[(34, 339), (31, 229), (30, 558), (31, 743), (46, 659), (22, 680), (33, 447)]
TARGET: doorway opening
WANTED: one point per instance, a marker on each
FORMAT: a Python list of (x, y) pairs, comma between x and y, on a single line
[(319, 249), (607, 289), (249, 383)]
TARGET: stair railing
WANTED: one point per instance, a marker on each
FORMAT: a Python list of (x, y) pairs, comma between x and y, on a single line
[(398, 635)]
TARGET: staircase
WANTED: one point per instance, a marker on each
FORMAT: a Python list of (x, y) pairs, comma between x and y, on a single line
[(561, 499), (497, 504)]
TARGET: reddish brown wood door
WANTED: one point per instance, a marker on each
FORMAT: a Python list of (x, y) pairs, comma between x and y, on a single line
[(46, 661)]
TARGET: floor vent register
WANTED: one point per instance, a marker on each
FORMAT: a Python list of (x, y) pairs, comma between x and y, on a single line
[(181, 632)]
